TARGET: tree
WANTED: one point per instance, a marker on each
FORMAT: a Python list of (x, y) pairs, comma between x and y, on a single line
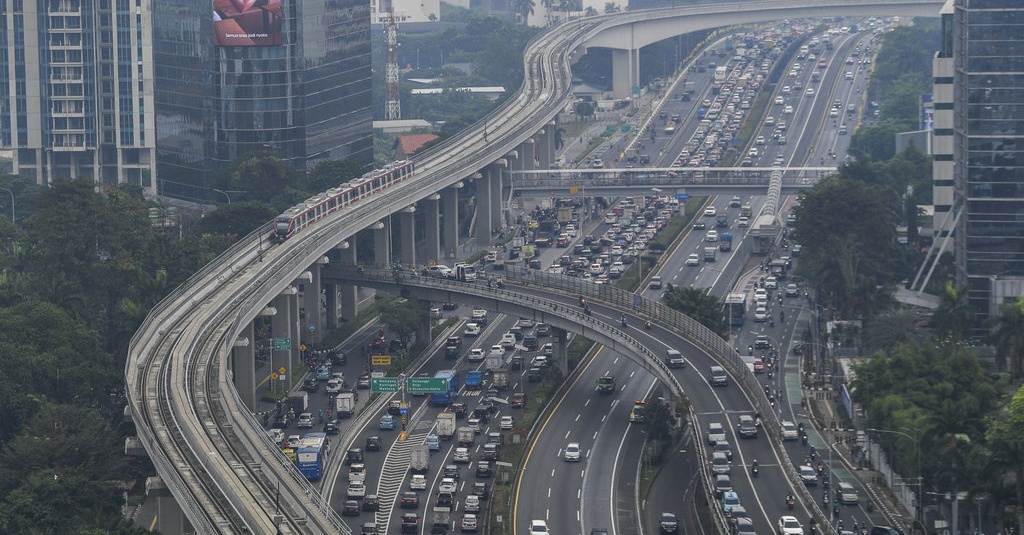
[(590, 11), (331, 173), (893, 328), (584, 109), (955, 317), (1008, 335), (523, 8), (236, 219), (611, 7), (404, 317), (1006, 434), (698, 303)]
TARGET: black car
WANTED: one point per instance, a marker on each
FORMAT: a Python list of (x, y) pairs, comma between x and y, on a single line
[(350, 508), (459, 409), (395, 407), (699, 224), (363, 381), (482, 412), (368, 528), (483, 469), (482, 490), (395, 345), (668, 523), (410, 523), (410, 500), (371, 503), (452, 471), (311, 385), (372, 443), (445, 499), (331, 427), (354, 455), (339, 359)]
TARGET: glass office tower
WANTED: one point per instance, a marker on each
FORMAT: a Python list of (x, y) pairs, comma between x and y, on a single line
[(289, 78), (988, 133)]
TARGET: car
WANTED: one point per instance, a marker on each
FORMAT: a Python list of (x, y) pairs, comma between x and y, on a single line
[(276, 435), (471, 504), (353, 455), (357, 472), (517, 401), (410, 500), (710, 211), (542, 330), (469, 522), (371, 503), (445, 499), (572, 452), (758, 365), (538, 527), (439, 272), (808, 475), (735, 202), (729, 500), (760, 314), (693, 259), (483, 469), (311, 385), (498, 350), (720, 463), (723, 484), (716, 433), (410, 523), (505, 423), (395, 407), (789, 430), (711, 236), (762, 342), (667, 523), (674, 359), (333, 386), (771, 282), (725, 447), (447, 484), (481, 489), (387, 423), (350, 508), (547, 349), (305, 421), (743, 526), (475, 355), (418, 482), (699, 225), (846, 494), (789, 525), (368, 528), (471, 329), (363, 381), (508, 341), (356, 489), (792, 290)]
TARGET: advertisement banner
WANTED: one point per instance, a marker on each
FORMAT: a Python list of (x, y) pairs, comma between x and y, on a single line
[(247, 22)]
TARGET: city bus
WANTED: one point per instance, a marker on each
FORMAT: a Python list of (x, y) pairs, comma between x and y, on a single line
[(311, 455), (451, 380), (735, 305)]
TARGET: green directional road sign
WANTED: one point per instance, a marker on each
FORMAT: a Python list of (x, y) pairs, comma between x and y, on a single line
[(283, 344), (425, 385), (384, 384)]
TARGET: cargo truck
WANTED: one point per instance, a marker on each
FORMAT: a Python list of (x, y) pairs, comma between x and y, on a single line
[(420, 462), (445, 427), (345, 404), (467, 435), (709, 253), (499, 379), (725, 242), (298, 401), (442, 521), (474, 380)]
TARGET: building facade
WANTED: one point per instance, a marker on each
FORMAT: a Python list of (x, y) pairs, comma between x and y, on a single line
[(289, 78), (988, 149), (76, 90)]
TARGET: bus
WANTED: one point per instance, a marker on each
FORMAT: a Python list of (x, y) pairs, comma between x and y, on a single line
[(311, 455), (451, 380), (735, 306)]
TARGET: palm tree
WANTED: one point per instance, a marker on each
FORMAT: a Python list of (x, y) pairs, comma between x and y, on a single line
[(590, 11), (892, 328), (611, 7), (524, 8), (1008, 335), (954, 317)]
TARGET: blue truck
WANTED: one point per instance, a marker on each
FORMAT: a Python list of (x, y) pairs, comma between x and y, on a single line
[(725, 242), (474, 380)]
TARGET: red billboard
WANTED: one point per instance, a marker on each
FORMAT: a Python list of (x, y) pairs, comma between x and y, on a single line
[(247, 22)]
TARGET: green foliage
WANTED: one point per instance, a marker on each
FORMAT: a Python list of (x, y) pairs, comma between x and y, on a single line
[(236, 219), (330, 174), (404, 317), (1008, 335), (905, 55), (698, 303), (658, 420)]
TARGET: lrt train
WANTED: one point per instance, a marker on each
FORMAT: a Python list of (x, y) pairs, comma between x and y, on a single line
[(323, 204)]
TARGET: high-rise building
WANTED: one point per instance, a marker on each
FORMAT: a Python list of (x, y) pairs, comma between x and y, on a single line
[(288, 78), (76, 90), (988, 150)]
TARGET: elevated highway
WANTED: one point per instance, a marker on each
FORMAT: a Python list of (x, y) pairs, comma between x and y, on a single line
[(222, 469)]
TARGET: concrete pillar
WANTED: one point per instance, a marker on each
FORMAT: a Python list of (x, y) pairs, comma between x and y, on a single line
[(349, 292), (382, 242), (331, 296), (499, 180), (407, 236), (484, 225), (546, 146), (450, 227), (243, 366), (283, 326), (313, 329), (432, 227), (625, 71), (528, 156), (561, 355), (169, 516)]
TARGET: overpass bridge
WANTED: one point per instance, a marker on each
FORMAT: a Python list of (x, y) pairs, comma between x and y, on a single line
[(190, 369)]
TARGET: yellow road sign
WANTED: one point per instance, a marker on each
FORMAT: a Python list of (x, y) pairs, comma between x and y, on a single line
[(282, 369), (273, 376), (380, 360)]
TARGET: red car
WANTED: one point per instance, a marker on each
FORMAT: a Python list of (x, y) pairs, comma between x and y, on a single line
[(758, 365), (517, 401)]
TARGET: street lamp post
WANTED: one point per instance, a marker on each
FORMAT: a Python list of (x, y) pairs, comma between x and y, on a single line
[(917, 450), (223, 193)]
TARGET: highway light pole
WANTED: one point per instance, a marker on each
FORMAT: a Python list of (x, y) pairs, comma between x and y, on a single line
[(917, 448)]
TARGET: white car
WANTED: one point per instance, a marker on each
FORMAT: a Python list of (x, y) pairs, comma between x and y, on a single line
[(305, 421), (710, 211), (789, 430), (461, 455), (743, 222), (538, 527), (418, 482), (447, 484), (693, 259), (472, 329), (789, 525), (472, 504), (498, 350), (572, 452), (333, 386), (475, 355), (792, 290), (716, 433), (276, 435), (505, 423), (508, 340), (357, 473), (760, 314), (711, 236), (547, 349), (356, 489), (779, 100)]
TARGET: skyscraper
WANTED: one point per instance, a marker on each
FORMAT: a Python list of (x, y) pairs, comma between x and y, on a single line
[(76, 86), (988, 149), (288, 78)]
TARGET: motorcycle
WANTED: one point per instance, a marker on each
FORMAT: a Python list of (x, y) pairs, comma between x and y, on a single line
[(648, 325), (625, 322), (754, 470), (825, 499), (790, 502), (586, 309)]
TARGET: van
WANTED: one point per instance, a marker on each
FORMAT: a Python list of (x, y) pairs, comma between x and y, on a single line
[(717, 376), (656, 282), (846, 493), (720, 463), (674, 359), (530, 341), (747, 427)]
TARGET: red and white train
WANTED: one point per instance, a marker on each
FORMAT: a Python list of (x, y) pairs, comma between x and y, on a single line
[(323, 204)]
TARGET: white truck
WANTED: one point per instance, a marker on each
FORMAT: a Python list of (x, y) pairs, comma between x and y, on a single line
[(442, 521), (467, 436), (345, 404), (499, 379), (420, 459), (445, 427)]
